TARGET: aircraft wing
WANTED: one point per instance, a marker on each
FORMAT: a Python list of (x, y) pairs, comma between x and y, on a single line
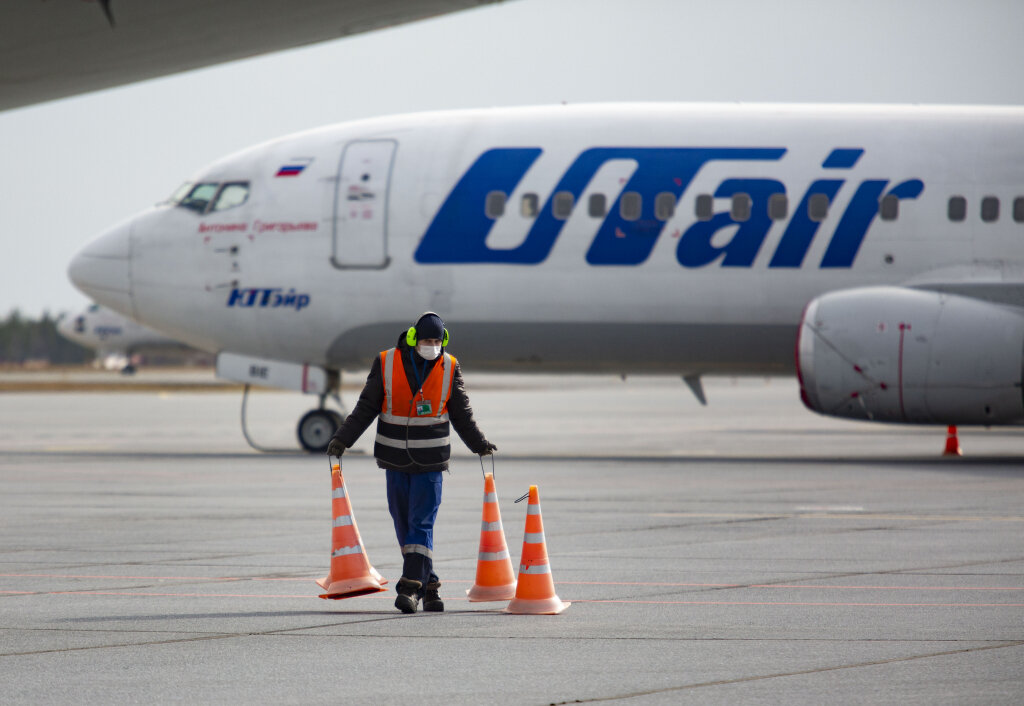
[(51, 50)]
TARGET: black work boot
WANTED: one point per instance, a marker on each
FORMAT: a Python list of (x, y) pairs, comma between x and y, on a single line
[(431, 601), (408, 599)]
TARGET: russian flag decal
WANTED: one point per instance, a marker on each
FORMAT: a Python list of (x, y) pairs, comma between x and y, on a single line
[(293, 168)]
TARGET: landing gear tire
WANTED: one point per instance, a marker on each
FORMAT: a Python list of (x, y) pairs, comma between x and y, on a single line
[(316, 428)]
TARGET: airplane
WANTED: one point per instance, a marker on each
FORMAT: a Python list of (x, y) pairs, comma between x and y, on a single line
[(115, 338), (875, 251)]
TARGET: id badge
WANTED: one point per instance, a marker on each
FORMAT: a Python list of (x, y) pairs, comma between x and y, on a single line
[(423, 408)]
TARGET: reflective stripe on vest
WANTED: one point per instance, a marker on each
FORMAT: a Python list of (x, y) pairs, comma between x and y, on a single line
[(389, 375), (413, 443), (412, 421)]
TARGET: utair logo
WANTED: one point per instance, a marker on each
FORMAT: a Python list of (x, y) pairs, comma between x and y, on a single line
[(268, 298), (459, 231)]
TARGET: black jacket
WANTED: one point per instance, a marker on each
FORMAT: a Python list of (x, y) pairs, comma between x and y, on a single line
[(371, 400)]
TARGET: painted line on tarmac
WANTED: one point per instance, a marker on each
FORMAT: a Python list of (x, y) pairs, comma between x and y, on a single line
[(846, 515), (655, 584), (147, 594), (807, 603)]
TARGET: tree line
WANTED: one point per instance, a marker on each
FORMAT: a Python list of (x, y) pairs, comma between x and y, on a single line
[(24, 339)]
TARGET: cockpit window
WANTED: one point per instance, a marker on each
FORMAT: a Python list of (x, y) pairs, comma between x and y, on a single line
[(231, 194), (199, 197), (180, 193)]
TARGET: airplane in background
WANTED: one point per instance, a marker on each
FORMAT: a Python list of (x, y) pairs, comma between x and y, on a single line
[(875, 251), (115, 338)]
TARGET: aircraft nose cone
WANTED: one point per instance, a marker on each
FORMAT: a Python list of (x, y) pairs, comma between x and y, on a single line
[(102, 269)]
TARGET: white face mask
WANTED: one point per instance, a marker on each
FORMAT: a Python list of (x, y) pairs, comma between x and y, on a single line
[(428, 352)]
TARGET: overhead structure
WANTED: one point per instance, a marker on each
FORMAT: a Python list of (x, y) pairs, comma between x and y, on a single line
[(51, 50)]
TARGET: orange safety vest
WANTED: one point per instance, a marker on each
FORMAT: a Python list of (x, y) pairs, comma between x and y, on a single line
[(413, 429)]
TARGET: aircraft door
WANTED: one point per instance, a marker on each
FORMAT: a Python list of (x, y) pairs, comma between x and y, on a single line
[(361, 205)]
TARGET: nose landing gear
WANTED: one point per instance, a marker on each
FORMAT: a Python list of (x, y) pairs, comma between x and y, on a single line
[(316, 428)]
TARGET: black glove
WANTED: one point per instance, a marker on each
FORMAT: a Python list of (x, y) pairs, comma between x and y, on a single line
[(488, 449), (335, 448)]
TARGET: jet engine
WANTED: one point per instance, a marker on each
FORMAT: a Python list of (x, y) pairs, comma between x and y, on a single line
[(894, 354)]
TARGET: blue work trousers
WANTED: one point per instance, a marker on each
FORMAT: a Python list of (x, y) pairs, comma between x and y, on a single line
[(413, 499)]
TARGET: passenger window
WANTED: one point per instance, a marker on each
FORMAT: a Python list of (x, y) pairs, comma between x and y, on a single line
[(629, 206), (778, 207), (597, 206), (495, 206), (957, 208), (562, 207), (664, 206), (740, 210), (1018, 209), (199, 197), (889, 207), (990, 209), (529, 206), (231, 195), (704, 206), (817, 207)]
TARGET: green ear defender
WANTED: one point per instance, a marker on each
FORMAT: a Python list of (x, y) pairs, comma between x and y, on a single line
[(410, 336)]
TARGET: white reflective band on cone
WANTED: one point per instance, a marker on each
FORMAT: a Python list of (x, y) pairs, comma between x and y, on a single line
[(490, 526), (344, 551), (490, 497), (533, 538), (343, 521), (533, 510), (413, 443), (541, 569), (338, 492), (493, 556)]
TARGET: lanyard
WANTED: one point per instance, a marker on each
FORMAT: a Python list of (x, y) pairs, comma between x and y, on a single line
[(420, 377)]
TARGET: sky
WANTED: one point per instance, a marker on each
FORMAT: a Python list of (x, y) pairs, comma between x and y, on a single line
[(75, 167)]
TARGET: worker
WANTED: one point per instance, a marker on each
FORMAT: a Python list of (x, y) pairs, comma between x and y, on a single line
[(414, 389)]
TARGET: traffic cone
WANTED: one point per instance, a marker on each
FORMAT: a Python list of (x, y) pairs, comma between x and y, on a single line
[(350, 574), (494, 578), (952, 443), (535, 590)]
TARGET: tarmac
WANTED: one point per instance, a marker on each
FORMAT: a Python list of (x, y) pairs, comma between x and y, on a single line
[(745, 552)]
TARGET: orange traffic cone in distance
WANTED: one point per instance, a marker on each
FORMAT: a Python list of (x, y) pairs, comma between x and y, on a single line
[(350, 574), (952, 443), (495, 580), (535, 590)]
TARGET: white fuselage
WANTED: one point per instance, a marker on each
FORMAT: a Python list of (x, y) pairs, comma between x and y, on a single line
[(347, 233)]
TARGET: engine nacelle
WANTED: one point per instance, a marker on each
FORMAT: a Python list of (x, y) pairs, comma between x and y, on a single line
[(903, 355)]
